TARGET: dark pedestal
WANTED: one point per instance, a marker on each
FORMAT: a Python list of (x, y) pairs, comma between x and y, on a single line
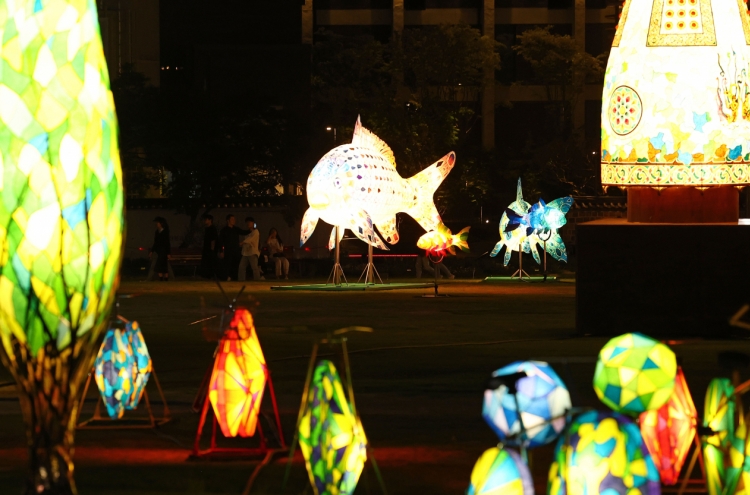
[(664, 280)]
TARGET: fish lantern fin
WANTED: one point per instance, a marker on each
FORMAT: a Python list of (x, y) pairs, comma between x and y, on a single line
[(309, 221), (519, 192), (424, 185), (332, 240), (361, 226), (506, 258), (496, 250), (461, 240), (367, 139), (388, 230)]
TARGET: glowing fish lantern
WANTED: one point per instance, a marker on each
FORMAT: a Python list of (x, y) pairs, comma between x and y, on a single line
[(676, 107), (724, 451), (114, 370), (635, 373), (670, 430), (441, 242), (523, 227), (602, 453), (500, 472), (61, 216), (356, 186), (541, 397), (331, 437), (239, 377)]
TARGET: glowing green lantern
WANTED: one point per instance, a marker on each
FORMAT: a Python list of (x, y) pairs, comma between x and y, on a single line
[(635, 373), (61, 216)]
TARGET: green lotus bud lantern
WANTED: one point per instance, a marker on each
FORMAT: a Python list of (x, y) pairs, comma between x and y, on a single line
[(61, 218)]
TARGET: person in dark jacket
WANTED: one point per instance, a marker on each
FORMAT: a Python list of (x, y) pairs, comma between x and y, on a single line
[(161, 248), (229, 247), (210, 245)]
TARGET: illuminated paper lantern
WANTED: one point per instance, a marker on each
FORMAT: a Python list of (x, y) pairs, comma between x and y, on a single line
[(114, 370), (724, 451), (670, 430), (676, 105), (61, 216), (500, 472), (602, 453), (239, 377), (356, 186), (542, 398), (141, 362), (635, 373), (523, 227), (331, 437)]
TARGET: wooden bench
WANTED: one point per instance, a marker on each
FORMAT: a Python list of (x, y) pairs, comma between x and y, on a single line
[(185, 258)]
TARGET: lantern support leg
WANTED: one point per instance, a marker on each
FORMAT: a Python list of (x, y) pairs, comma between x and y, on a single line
[(337, 273), (370, 269), (100, 422), (696, 457), (295, 439), (276, 411), (520, 273), (214, 450)]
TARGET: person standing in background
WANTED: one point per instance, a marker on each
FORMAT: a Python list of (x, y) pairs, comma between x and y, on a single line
[(210, 244), (229, 246), (250, 252), (276, 251), (161, 249)]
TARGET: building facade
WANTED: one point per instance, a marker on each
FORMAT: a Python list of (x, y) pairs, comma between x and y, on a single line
[(130, 35), (590, 22)]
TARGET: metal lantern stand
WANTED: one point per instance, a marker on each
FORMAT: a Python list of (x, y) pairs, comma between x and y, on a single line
[(338, 340), (370, 270), (520, 273), (435, 266), (544, 241), (99, 422), (203, 404), (214, 451), (337, 273)]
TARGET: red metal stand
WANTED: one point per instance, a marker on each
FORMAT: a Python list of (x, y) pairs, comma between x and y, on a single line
[(214, 451)]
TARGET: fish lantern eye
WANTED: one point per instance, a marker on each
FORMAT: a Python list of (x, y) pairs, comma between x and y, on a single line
[(337, 183)]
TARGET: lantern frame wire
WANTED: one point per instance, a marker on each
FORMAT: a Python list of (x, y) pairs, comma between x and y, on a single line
[(100, 422), (203, 404), (336, 340)]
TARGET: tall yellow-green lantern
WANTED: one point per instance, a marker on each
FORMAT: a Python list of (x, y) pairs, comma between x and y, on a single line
[(61, 218)]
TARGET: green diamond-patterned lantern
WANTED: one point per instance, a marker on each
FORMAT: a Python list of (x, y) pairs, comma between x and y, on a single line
[(331, 437), (61, 216), (635, 373)]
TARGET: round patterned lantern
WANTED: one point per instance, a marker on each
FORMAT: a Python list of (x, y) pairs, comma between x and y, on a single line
[(603, 453), (500, 471), (635, 373), (543, 401)]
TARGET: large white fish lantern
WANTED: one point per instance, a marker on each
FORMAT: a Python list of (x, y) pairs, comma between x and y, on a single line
[(676, 99), (356, 186)]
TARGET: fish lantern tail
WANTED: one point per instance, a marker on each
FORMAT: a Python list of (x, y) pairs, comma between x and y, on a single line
[(424, 184), (461, 240)]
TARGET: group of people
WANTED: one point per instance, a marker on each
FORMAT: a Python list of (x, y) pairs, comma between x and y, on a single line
[(228, 253)]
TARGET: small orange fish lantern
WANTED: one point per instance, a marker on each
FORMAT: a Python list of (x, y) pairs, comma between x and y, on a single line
[(239, 377), (670, 430)]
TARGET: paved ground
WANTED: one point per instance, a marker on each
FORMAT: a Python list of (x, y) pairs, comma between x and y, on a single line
[(418, 381)]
